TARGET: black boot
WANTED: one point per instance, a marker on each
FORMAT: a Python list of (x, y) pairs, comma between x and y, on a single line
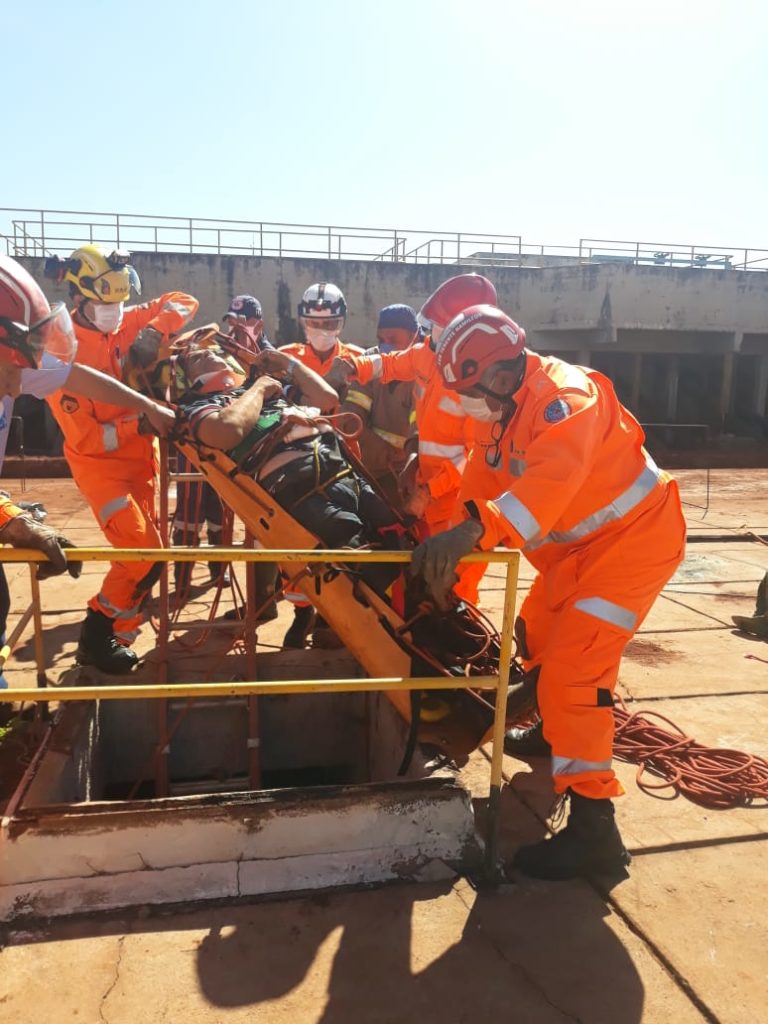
[(589, 844), (219, 572), (100, 647), (303, 621), (527, 741)]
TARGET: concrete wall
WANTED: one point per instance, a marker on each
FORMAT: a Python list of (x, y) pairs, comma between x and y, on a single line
[(560, 306), (615, 317)]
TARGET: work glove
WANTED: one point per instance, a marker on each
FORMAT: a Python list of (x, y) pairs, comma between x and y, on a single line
[(339, 376), (24, 532), (436, 559)]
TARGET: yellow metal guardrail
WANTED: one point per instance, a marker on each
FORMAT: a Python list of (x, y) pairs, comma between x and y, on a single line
[(142, 691)]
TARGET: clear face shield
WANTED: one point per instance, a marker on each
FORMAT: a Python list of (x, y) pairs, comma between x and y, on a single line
[(48, 342), (427, 326)]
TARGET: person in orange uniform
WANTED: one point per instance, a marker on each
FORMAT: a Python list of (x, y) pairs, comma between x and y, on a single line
[(114, 466), (37, 349), (387, 410), (432, 474), (558, 470), (322, 313)]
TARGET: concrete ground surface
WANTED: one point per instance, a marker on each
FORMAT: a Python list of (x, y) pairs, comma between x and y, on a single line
[(683, 938)]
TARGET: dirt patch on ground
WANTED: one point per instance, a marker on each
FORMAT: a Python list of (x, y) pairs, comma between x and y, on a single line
[(649, 653)]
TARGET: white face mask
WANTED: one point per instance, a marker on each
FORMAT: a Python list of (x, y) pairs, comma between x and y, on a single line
[(478, 409), (105, 316), (321, 341)]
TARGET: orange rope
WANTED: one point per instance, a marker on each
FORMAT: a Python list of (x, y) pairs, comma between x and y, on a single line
[(708, 776)]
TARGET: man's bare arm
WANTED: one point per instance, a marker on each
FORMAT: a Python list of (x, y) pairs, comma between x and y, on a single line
[(226, 428), (314, 390)]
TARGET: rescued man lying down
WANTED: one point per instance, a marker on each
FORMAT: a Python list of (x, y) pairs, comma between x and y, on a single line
[(288, 448)]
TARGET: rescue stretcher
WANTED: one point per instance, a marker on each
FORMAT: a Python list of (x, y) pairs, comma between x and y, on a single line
[(373, 631)]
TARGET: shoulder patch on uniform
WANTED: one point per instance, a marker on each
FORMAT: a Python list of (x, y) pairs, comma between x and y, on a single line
[(557, 411), (69, 404)]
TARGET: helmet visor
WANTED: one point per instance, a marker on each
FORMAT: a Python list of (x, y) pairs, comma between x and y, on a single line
[(53, 337), (332, 324), (427, 326)]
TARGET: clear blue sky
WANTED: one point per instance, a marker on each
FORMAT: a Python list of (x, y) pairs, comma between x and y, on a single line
[(554, 120)]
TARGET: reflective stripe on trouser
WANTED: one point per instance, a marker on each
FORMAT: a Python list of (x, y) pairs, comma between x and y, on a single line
[(578, 640), (297, 598), (131, 524)]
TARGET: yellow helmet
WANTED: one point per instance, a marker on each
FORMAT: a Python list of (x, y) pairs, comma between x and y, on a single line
[(95, 275)]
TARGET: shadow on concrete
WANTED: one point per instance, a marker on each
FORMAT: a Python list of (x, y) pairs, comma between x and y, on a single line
[(445, 953), (538, 952), (55, 639)]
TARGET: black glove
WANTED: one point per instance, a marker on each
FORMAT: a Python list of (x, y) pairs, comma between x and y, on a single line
[(435, 560), (23, 532)]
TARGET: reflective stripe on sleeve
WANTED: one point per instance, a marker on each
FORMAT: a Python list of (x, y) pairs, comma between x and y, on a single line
[(176, 307), (453, 452), (376, 365), (517, 467), (613, 511), (361, 399), (116, 505), (451, 407), (394, 439), (608, 611), (516, 513), (575, 766)]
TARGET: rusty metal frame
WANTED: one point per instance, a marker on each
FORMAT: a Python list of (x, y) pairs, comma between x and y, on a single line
[(250, 688)]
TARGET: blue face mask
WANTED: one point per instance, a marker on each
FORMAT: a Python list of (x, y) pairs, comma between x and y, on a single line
[(385, 347)]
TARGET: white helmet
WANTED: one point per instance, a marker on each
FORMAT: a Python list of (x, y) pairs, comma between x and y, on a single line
[(322, 312)]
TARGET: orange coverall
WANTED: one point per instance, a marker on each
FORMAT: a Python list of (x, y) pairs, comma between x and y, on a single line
[(445, 439), (577, 492), (113, 465)]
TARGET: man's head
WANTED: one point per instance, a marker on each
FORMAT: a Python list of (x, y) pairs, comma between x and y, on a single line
[(450, 298), (397, 328), (205, 370), (322, 312), (245, 310), (99, 284), (481, 357), (30, 331)]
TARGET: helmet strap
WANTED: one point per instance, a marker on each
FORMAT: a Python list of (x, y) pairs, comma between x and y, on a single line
[(508, 410)]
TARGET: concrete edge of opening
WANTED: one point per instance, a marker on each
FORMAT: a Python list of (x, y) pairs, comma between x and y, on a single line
[(60, 860)]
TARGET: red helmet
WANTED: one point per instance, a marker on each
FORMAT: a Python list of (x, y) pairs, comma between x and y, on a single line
[(473, 341), (29, 328), (451, 297)]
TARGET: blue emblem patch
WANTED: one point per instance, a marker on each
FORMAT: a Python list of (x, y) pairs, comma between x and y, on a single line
[(557, 411)]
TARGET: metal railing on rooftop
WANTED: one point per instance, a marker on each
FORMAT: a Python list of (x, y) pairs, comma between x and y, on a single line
[(30, 232)]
